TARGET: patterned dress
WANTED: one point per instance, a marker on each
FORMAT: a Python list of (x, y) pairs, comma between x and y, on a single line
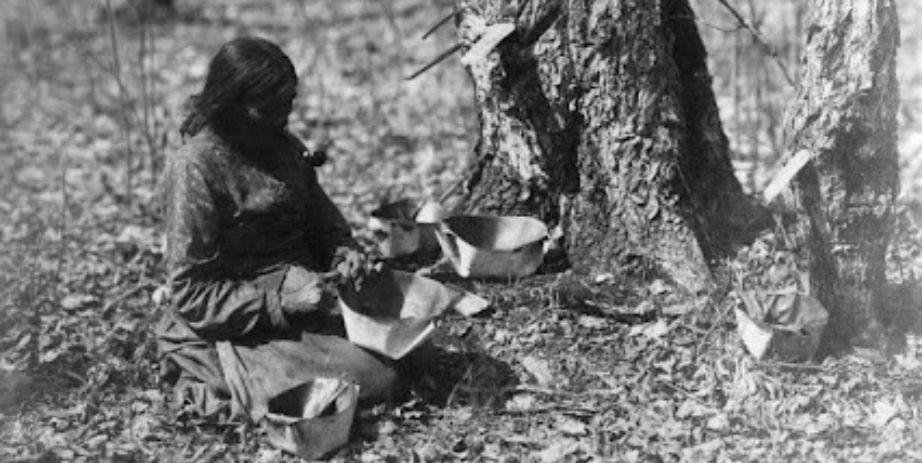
[(234, 228)]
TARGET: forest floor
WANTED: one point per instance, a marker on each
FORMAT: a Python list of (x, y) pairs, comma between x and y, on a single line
[(562, 368)]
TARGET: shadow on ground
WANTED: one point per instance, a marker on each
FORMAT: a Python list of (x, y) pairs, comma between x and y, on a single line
[(443, 376)]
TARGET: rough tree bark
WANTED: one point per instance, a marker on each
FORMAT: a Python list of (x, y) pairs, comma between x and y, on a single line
[(845, 114), (599, 115)]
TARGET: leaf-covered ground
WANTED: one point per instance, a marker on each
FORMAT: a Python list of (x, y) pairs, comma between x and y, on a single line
[(563, 368)]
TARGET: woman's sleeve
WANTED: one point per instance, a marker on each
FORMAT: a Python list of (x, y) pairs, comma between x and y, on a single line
[(215, 303)]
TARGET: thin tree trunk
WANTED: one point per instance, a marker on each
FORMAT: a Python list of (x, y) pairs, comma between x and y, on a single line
[(599, 116), (845, 115)]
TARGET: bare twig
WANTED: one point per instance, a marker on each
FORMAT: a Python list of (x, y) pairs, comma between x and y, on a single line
[(452, 189), (127, 294), (737, 95), (701, 342), (117, 74), (70, 374), (438, 59), (323, 137), (148, 122), (373, 100), (35, 318), (769, 50), (317, 66), (62, 232), (439, 24), (793, 366), (466, 377), (388, 8)]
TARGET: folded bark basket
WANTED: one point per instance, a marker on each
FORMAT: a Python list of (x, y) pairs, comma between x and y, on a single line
[(781, 325), (406, 227), (392, 313), (314, 418), (485, 246)]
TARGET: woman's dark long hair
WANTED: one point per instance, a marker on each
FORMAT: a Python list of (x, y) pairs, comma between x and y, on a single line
[(245, 72)]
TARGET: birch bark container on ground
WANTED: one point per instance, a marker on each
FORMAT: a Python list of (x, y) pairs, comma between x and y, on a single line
[(499, 247), (393, 312), (405, 227), (314, 418)]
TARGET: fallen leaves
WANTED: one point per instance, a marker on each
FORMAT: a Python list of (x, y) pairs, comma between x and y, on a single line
[(539, 370), (883, 413), (718, 422), (604, 373), (786, 324), (571, 427), (522, 402), (652, 330), (560, 450), (78, 301), (592, 323)]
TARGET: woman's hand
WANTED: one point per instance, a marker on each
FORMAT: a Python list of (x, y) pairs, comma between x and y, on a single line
[(352, 265), (302, 291)]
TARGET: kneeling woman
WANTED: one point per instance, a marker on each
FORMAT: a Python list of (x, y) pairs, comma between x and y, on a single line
[(253, 243)]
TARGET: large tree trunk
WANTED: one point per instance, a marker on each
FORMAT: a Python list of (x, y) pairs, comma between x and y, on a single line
[(599, 116), (845, 115)]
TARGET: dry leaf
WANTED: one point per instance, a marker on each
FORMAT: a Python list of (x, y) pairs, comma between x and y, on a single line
[(269, 456), (884, 411), (77, 301), (571, 427), (521, 402), (587, 321), (464, 302), (652, 330), (658, 287), (677, 310), (559, 451), (604, 277), (718, 422), (538, 369)]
